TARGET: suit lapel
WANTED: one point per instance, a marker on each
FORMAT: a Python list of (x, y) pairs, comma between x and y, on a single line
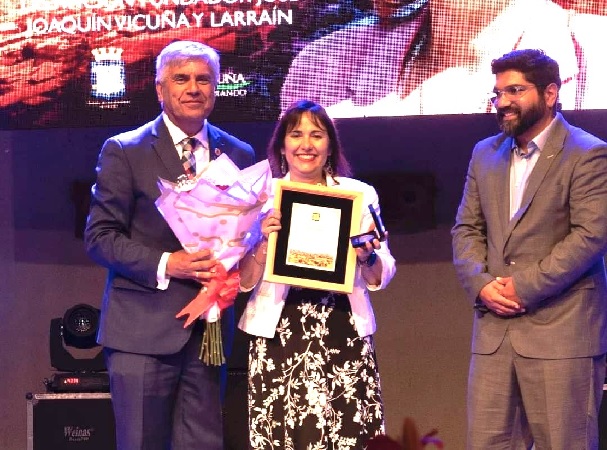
[(216, 142), (553, 146), (165, 149)]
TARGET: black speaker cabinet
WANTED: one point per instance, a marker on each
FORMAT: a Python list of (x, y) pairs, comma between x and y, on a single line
[(74, 421), (85, 421)]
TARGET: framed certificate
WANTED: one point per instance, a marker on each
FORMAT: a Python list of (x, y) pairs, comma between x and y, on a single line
[(313, 249)]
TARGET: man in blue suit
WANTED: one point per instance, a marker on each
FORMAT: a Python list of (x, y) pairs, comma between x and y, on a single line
[(163, 396)]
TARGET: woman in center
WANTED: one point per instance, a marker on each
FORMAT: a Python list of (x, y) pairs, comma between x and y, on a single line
[(313, 376)]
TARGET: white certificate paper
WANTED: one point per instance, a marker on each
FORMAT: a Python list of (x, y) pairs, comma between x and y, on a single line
[(313, 237)]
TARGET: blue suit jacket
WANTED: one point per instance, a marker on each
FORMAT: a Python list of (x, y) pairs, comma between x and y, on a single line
[(126, 234)]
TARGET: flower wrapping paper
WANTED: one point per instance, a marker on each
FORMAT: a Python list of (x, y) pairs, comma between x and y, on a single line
[(215, 210)]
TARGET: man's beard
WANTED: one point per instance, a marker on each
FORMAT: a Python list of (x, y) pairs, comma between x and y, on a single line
[(525, 120)]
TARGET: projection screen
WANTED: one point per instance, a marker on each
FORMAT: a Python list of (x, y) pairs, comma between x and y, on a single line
[(71, 63)]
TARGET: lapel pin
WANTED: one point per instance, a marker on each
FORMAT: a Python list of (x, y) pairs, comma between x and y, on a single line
[(217, 152)]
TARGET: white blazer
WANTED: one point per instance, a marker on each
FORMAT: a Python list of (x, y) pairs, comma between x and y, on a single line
[(263, 310)]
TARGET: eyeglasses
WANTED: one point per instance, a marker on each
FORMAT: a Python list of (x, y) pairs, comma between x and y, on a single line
[(513, 92)]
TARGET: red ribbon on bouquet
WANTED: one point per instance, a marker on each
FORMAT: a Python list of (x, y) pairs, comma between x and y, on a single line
[(222, 289)]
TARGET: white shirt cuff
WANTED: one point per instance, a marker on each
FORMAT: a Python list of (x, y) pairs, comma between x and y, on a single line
[(162, 280)]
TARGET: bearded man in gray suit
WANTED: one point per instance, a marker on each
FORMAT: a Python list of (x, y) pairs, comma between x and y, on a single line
[(528, 246), (163, 396)]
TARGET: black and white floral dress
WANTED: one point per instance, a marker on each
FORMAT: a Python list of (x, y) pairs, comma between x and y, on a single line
[(315, 385)]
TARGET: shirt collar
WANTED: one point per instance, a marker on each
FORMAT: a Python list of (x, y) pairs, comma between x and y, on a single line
[(177, 134), (535, 144)]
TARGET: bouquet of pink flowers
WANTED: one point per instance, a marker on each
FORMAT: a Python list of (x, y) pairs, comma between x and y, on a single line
[(215, 211)]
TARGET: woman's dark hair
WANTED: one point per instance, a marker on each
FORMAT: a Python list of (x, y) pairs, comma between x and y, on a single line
[(290, 119)]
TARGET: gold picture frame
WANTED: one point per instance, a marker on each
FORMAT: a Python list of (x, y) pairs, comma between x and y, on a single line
[(313, 249)]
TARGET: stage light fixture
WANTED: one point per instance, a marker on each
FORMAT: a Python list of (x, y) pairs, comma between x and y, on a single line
[(80, 325), (75, 353), (76, 330)]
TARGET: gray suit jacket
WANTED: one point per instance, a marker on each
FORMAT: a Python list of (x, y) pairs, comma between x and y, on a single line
[(553, 247), (126, 234)]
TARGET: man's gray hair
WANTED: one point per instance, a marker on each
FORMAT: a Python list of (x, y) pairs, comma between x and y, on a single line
[(180, 52)]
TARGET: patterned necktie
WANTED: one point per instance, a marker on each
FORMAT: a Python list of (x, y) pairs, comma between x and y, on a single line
[(188, 159)]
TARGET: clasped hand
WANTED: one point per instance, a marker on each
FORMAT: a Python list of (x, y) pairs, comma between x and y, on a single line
[(500, 297)]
